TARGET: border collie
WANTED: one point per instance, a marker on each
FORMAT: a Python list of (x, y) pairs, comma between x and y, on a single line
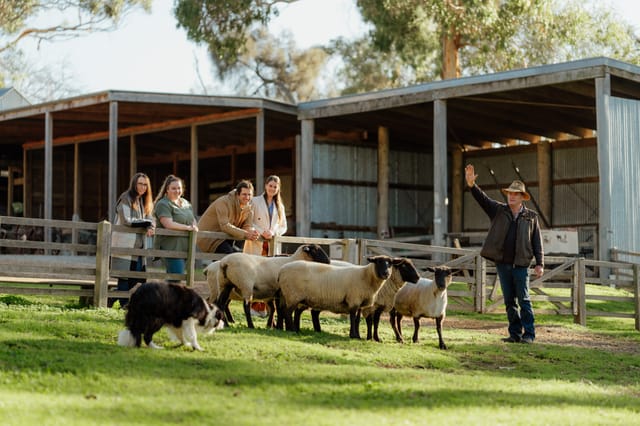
[(183, 311)]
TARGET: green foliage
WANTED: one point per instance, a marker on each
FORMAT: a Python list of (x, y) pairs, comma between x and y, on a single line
[(65, 19), (62, 366), (10, 299), (498, 36), (223, 25), (284, 71), (406, 42)]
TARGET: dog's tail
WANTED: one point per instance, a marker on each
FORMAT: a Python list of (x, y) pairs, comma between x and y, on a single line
[(125, 338)]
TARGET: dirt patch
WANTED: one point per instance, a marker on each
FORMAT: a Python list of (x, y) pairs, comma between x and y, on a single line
[(556, 335)]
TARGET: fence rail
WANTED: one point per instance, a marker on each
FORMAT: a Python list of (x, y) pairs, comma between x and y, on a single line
[(27, 266)]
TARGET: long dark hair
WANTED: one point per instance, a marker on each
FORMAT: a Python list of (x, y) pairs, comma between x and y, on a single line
[(131, 194), (168, 181)]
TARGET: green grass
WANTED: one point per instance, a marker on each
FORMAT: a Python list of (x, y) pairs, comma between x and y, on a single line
[(59, 364)]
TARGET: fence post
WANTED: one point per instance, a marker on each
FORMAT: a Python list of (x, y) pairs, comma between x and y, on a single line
[(575, 291), (191, 258), (636, 296), (579, 297), (103, 251), (361, 251), (480, 285)]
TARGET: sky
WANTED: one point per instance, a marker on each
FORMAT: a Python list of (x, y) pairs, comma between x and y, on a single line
[(148, 53)]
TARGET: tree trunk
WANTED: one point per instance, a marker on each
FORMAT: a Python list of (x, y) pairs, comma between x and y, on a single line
[(450, 65)]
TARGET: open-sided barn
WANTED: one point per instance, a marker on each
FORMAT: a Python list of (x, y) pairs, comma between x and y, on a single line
[(379, 164)]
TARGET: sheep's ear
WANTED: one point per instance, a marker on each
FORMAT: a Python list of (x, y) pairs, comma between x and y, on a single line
[(398, 260), (431, 269)]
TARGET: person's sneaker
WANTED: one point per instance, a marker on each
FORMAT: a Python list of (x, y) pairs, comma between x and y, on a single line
[(510, 340), (526, 340)]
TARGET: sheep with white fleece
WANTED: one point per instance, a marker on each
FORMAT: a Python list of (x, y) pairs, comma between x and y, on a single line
[(339, 289), (427, 298), (211, 273), (256, 277), (401, 272)]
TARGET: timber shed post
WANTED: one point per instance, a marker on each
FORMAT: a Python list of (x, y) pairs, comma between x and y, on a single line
[(383, 183), (304, 178), (440, 200)]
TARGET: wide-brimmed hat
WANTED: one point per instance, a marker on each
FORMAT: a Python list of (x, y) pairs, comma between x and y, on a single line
[(517, 186)]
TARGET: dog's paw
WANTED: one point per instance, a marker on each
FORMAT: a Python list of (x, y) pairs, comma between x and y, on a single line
[(125, 338), (152, 345)]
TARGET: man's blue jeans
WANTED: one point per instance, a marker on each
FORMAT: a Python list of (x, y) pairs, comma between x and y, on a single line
[(514, 281)]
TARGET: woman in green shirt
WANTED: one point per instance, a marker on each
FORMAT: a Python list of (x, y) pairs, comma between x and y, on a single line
[(173, 212)]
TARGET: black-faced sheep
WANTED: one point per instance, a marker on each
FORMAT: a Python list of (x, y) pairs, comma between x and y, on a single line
[(427, 298), (402, 272), (256, 277), (339, 289)]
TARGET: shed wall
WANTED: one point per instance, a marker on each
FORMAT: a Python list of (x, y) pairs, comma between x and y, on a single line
[(344, 195), (624, 152)]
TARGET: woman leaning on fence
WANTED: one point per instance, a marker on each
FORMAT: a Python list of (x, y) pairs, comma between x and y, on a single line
[(135, 209), (173, 212)]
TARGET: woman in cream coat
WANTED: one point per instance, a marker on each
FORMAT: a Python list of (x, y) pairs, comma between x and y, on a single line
[(269, 217)]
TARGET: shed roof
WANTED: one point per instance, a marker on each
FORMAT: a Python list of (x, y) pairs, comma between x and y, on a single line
[(550, 101), (166, 116)]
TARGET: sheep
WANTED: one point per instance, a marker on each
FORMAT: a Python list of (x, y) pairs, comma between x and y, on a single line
[(402, 272), (256, 276), (339, 289), (427, 298), (211, 273)]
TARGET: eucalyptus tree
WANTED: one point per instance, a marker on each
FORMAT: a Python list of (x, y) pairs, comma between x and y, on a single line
[(49, 21), (412, 41)]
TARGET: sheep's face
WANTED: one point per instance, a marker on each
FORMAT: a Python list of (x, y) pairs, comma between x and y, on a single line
[(443, 276), (383, 265), (407, 270), (314, 253)]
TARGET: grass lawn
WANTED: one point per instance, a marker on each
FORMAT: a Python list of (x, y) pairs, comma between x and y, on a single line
[(60, 365)]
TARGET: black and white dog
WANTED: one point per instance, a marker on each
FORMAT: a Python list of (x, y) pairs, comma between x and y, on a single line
[(183, 311)]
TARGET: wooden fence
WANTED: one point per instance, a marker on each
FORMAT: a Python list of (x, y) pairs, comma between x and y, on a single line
[(68, 264)]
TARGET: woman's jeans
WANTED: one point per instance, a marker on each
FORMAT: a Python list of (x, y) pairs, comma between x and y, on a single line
[(126, 284), (175, 266), (514, 281)]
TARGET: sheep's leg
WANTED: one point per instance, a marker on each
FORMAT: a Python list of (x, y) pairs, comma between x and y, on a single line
[(296, 318), (376, 322), (279, 312), (271, 306), (369, 321), (439, 329), (315, 319), (247, 313), (223, 302), (227, 313), (354, 320), (396, 320), (416, 327), (288, 320)]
